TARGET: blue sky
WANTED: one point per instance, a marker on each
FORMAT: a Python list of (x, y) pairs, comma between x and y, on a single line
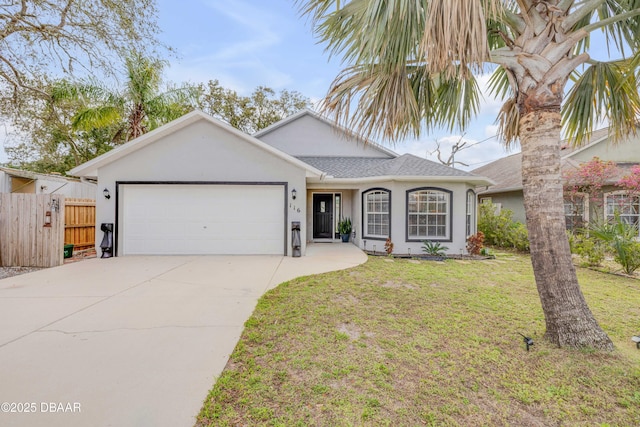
[(248, 43), (257, 42)]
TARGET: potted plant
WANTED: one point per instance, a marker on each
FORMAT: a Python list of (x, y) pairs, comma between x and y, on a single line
[(344, 228)]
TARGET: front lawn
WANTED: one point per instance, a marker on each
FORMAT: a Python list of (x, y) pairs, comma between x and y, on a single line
[(408, 343)]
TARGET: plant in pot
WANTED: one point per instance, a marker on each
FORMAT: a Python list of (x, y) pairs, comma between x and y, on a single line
[(345, 228)]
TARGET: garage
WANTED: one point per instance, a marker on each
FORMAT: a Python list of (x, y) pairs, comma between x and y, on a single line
[(198, 219)]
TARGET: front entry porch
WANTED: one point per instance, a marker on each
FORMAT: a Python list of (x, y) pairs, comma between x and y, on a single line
[(326, 209)]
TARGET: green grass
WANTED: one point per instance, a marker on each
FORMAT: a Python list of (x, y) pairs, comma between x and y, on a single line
[(408, 343)]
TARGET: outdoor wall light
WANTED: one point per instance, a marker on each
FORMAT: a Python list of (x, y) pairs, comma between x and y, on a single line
[(294, 193), (527, 341), (47, 219), (106, 193), (636, 339)]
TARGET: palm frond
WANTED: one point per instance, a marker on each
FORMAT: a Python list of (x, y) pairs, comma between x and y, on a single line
[(508, 121), (458, 100), (96, 117), (622, 34), (456, 34), (606, 91), (384, 103), (357, 31), (394, 105), (499, 84)]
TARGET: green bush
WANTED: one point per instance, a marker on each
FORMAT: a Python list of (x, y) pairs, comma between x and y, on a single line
[(591, 249), (500, 230), (621, 237), (518, 236)]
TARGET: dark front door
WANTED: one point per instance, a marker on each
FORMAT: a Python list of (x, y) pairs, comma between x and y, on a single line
[(323, 216)]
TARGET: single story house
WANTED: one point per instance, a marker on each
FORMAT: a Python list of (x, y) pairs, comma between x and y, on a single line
[(21, 181), (200, 186), (506, 172)]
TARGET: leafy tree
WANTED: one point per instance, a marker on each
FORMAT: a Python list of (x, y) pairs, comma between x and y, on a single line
[(37, 35), (43, 138), (250, 113), (139, 107), (631, 181), (411, 67), (81, 120)]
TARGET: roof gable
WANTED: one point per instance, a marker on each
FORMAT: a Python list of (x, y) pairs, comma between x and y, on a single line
[(90, 168), (309, 134)]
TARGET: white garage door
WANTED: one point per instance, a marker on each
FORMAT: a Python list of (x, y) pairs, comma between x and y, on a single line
[(166, 219)]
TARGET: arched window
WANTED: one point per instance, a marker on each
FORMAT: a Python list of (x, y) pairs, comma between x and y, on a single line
[(376, 213), (428, 214)]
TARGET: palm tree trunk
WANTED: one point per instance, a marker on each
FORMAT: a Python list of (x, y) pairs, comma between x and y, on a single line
[(569, 321)]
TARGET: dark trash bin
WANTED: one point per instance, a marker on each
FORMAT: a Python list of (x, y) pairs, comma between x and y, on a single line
[(295, 239)]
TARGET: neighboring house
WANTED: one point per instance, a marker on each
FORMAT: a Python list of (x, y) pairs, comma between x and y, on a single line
[(20, 181), (507, 174), (200, 186)]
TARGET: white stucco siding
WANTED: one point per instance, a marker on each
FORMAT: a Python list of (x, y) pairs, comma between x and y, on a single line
[(625, 151), (201, 152), (309, 136), (457, 215)]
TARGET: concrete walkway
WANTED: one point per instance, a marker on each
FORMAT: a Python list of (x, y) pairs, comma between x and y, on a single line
[(132, 341)]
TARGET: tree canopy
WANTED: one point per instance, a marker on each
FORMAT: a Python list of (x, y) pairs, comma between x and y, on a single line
[(81, 119), (250, 113), (38, 37)]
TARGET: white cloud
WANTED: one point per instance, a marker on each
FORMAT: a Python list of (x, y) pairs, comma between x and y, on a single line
[(491, 130), (488, 104)]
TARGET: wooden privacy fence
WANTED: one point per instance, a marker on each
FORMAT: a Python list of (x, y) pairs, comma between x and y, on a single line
[(31, 230), (80, 223)]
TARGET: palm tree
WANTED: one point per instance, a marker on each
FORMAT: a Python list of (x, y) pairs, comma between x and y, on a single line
[(133, 111), (412, 64)]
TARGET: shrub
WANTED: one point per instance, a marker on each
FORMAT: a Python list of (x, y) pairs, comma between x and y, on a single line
[(434, 248), (475, 243), (388, 246), (591, 249), (500, 230), (518, 237), (621, 237)]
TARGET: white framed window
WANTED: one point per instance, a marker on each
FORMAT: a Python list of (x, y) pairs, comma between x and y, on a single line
[(576, 211), (376, 213), (471, 213), (428, 214), (625, 205)]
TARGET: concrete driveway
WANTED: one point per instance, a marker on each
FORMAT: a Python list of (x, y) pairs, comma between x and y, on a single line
[(132, 341)]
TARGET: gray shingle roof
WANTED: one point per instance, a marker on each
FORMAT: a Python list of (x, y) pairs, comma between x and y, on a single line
[(361, 167), (507, 172)]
